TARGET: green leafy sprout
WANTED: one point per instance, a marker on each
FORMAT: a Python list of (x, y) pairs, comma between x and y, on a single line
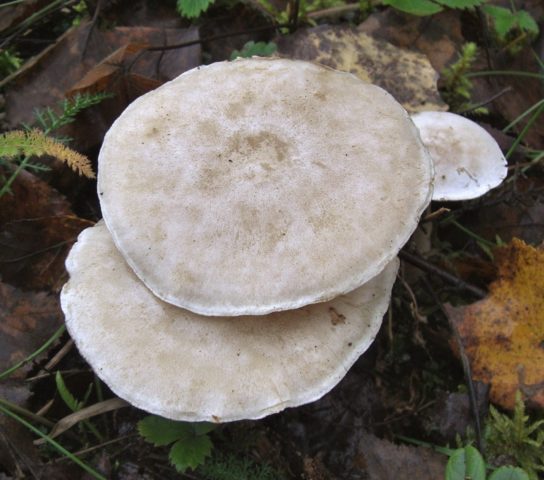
[(430, 7), (468, 463), (251, 49), (457, 87), (517, 437), (190, 443), (18, 148), (192, 8), (512, 27)]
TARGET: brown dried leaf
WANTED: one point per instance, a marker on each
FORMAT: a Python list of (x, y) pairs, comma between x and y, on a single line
[(503, 335), (27, 320), (44, 80), (85, 413), (37, 229), (440, 39), (384, 460), (112, 76), (407, 75)]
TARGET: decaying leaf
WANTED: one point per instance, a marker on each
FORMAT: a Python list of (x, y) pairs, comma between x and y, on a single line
[(37, 228), (383, 460), (439, 39), (503, 335), (27, 320), (44, 80), (407, 75)]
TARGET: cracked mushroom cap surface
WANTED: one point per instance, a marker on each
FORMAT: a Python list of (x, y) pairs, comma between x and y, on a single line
[(468, 162), (184, 366), (259, 185)]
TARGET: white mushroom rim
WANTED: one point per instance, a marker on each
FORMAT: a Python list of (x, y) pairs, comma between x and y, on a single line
[(184, 366), (468, 161), (247, 187)]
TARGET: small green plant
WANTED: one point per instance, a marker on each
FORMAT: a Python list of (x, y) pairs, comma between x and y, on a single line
[(190, 441), (231, 467), (430, 7), (49, 121), (30, 143), (74, 404), (10, 62), (304, 8), (192, 8), (259, 49), (513, 28), (457, 87), (18, 147), (516, 437), (468, 463)]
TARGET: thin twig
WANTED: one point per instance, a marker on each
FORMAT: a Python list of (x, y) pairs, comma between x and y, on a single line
[(466, 368), (486, 102), (212, 38), (423, 264)]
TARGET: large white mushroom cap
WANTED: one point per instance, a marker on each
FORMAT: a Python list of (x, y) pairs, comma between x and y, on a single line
[(184, 366), (247, 187), (468, 161)]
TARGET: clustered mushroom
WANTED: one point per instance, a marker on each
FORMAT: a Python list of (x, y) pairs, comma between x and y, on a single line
[(253, 211)]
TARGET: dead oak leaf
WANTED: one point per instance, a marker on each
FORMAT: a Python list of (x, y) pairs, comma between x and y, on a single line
[(383, 460), (37, 229), (405, 74), (503, 335)]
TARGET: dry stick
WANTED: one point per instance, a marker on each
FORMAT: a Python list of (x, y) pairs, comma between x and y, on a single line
[(59, 355), (329, 12), (466, 369), (293, 20), (99, 446), (423, 264), (221, 36), (190, 43), (486, 102)]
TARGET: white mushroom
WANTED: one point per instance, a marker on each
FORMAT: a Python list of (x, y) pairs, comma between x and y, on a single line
[(259, 185), (184, 366), (468, 162)]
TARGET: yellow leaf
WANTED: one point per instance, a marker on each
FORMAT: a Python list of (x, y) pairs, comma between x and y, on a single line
[(503, 335), (405, 74)]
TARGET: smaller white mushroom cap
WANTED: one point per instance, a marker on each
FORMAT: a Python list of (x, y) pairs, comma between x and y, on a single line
[(185, 366), (467, 160)]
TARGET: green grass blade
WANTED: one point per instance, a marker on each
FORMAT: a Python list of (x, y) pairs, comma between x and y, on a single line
[(54, 444), (33, 355)]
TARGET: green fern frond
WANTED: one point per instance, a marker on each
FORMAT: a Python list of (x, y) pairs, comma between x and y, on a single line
[(49, 121), (35, 143)]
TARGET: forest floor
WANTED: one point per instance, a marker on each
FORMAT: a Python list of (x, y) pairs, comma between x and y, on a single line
[(463, 337)]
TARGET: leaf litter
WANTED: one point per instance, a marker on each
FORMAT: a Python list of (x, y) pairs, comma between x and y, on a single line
[(503, 335), (404, 385)]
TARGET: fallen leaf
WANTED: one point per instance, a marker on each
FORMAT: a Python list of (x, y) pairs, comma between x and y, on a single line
[(14, 14), (88, 412), (503, 335), (43, 81), (405, 74), (27, 321), (452, 414), (383, 460), (439, 38), (37, 229)]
